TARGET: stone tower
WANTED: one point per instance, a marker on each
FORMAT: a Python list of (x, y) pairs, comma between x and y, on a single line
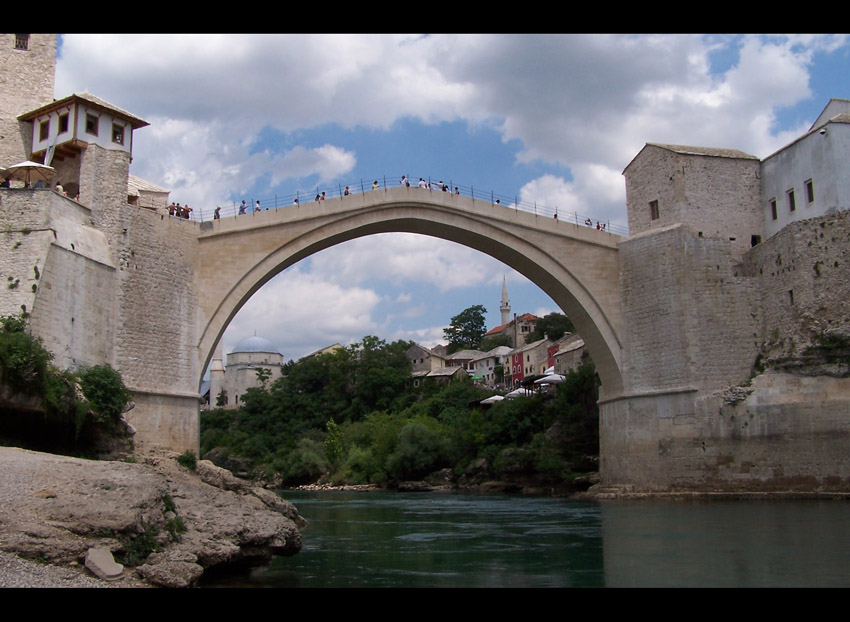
[(26, 82), (505, 308)]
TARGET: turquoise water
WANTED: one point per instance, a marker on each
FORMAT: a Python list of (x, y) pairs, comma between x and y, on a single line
[(460, 540)]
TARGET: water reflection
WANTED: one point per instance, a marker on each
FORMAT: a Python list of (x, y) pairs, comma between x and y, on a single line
[(726, 543), (454, 540)]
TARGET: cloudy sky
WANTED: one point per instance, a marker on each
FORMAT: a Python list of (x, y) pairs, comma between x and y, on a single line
[(551, 119)]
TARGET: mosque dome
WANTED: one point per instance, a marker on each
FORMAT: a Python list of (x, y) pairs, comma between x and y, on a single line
[(255, 344)]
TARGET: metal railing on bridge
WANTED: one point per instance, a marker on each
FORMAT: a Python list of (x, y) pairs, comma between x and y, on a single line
[(339, 191)]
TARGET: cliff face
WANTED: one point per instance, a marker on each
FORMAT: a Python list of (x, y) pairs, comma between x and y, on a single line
[(167, 522)]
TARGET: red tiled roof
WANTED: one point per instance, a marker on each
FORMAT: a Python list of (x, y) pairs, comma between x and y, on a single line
[(525, 316)]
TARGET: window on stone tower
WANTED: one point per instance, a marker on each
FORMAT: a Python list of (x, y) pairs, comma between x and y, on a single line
[(117, 134), (22, 42), (91, 124), (653, 210)]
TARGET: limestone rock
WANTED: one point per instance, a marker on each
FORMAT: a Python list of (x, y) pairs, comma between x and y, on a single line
[(175, 524), (102, 564), (278, 504), (171, 573), (219, 477)]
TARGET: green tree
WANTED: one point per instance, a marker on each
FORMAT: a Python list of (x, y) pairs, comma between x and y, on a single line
[(263, 375), (466, 329), (380, 373), (488, 343), (553, 325)]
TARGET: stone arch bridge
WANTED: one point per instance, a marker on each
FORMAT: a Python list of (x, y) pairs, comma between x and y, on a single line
[(575, 265), (672, 319)]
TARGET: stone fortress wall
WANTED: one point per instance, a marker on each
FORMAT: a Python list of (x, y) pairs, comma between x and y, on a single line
[(703, 319), (119, 293), (103, 281), (803, 276), (691, 322), (155, 344)]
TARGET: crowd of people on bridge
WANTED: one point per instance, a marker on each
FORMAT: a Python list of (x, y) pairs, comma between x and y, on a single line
[(184, 211), (181, 211)]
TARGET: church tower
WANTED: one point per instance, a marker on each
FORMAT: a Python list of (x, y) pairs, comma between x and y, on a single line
[(28, 63), (505, 308)]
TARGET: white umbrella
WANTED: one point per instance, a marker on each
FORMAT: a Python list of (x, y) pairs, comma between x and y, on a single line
[(25, 171), (551, 379), (520, 393), (492, 399), (549, 370)]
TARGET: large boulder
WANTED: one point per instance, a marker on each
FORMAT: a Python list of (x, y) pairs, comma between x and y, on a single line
[(157, 516)]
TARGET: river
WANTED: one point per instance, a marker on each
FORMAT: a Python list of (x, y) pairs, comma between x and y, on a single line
[(386, 539)]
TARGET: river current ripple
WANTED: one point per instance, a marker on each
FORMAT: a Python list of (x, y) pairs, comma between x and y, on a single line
[(385, 539)]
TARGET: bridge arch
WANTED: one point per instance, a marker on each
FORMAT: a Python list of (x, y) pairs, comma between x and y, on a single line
[(576, 266)]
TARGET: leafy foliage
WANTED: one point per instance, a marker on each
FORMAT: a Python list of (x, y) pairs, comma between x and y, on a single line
[(136, 550), (353, 417), (26, 370), (466, 329), (24, 361), (105, 391), (553, 325), (494, 341), (188, 459)]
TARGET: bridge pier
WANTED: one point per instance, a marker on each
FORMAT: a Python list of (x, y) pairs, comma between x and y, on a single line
[(167, 418), (789, 434)]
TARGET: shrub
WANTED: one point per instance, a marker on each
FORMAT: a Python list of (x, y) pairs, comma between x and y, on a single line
[(67, 424), (136, 550), (361, 467), (306, 463), (188, 459), (105, 391), (23, 358), (420, 451)]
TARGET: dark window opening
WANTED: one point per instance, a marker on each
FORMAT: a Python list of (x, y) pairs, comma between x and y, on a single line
[(91, 124), (653, 210), (63, 123), (791, 296), (43, 130), (117, 134), (792, 202), (754, 240), (773, 209), (22, 42), (810, 191)]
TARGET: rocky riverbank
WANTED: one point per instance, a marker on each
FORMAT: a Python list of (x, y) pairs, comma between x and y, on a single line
[(164, 523), (474, 480)]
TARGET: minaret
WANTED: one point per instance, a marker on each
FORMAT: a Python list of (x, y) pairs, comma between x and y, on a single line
[(505, 308), (217, 374)]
